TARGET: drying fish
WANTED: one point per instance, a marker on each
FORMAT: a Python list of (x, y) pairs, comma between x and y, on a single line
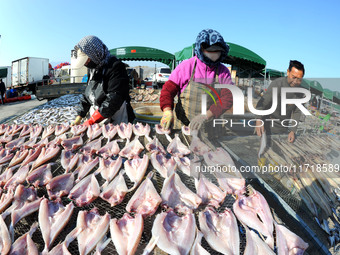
[(6, 200), (145, 200), (18, 178), (176, 195), (136, 168), (197, 248), (78, 130), (85, 165), (154, 145), (46, 155), (3, 128), (5, 176), (102, 245), (109, 150), (31, 143), (127, 233), (197, 146), (172, 234), (25, 130), (109, 131), (14, 144), (108, 168), (141, 130), (231, 183), (132, 149), (153, 97), (5, 238), (68, 160), (24, 244), (92, 147), (183, 164), (48, 131), (61, 129), (146, 98), (60, 185), (61, 248), (209, 192), (85, 191), (94, 131), (161, 131), (219, 157), (220, 230), (18, 157), (40, 176), (72, 143), (5, 156), (53, 217), (94, 229), (287, 242), (115, 191), (6, 138), (255, 245), (125, 130), (177, 148), (33, 154), (164, 166), (36, 131), (254, 212)]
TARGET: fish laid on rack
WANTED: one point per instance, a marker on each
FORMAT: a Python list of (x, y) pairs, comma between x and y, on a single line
[(86, 164), (176, 195), (125, 130), (109, 131), (164, 166), (18, 178), (145, 200), (94, 228), (197, 248), (14, 144), (197, 146), (171, 233), (209, 192), (263, 145), (53, 217), (161, 131), (24, 244), (60, 185), (220, 230), (6, 200), (92, 147), (5, 238), (33, 154), (78, 130), (115, 191), (136, 168), (18, 157), (68, 160), (141, 130), (132, 149), (93, 131), (111, 149), (45, 155), (154, 145), (48, 131), (126, 233), (183, 164), (255, 245), (177, 148), (108, 168), (61, 129), (5, 156), (72, 143), (40, 176), (85, 191)]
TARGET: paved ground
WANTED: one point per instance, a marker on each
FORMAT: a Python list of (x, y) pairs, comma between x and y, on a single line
[(11, 110)]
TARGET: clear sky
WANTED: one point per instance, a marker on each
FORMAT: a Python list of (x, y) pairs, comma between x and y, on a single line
[(278, 31)]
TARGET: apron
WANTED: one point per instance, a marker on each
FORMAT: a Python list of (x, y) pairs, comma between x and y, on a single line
[(189, 101), (97, 95)]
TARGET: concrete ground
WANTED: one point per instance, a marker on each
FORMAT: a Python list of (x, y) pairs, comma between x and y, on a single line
[(11, 110)]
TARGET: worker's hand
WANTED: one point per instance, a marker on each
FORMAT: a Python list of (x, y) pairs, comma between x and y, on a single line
[(95, 118), (259, 129), (76, 121), (167, 118), (197, 121), (291, 137)]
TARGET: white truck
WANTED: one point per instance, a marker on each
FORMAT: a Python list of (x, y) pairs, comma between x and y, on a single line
[(29, 70), (5, 75)]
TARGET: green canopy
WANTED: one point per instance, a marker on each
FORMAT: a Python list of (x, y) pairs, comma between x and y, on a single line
[(238, 55), (273, 73), (3, 72), (314, 86), (327, 93), (139, 53)]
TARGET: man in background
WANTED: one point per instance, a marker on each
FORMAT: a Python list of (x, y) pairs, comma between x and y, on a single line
[(2, 91)]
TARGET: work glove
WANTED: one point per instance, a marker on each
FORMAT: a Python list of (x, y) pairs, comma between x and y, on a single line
[(167, 118), (197, 121), (76, 121), (95, 118)]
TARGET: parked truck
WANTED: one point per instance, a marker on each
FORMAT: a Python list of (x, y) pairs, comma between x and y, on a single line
[(5, 75)]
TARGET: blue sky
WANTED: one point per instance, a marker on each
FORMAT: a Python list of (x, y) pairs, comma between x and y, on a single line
[(278, 31)]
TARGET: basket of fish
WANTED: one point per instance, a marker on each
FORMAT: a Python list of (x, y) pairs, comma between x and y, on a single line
[(129, 189)]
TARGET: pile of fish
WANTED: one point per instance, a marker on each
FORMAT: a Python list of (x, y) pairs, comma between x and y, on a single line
[(59, 110), (144, 95), (107, 162), (314, 172)]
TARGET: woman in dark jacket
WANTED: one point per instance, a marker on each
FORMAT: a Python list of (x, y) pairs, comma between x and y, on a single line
[(107, 92)]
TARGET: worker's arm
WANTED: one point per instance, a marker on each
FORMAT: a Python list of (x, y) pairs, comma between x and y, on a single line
[(168, 93)]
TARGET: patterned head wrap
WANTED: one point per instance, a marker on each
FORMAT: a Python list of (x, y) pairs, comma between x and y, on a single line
[(208, 37), (95, 49)]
